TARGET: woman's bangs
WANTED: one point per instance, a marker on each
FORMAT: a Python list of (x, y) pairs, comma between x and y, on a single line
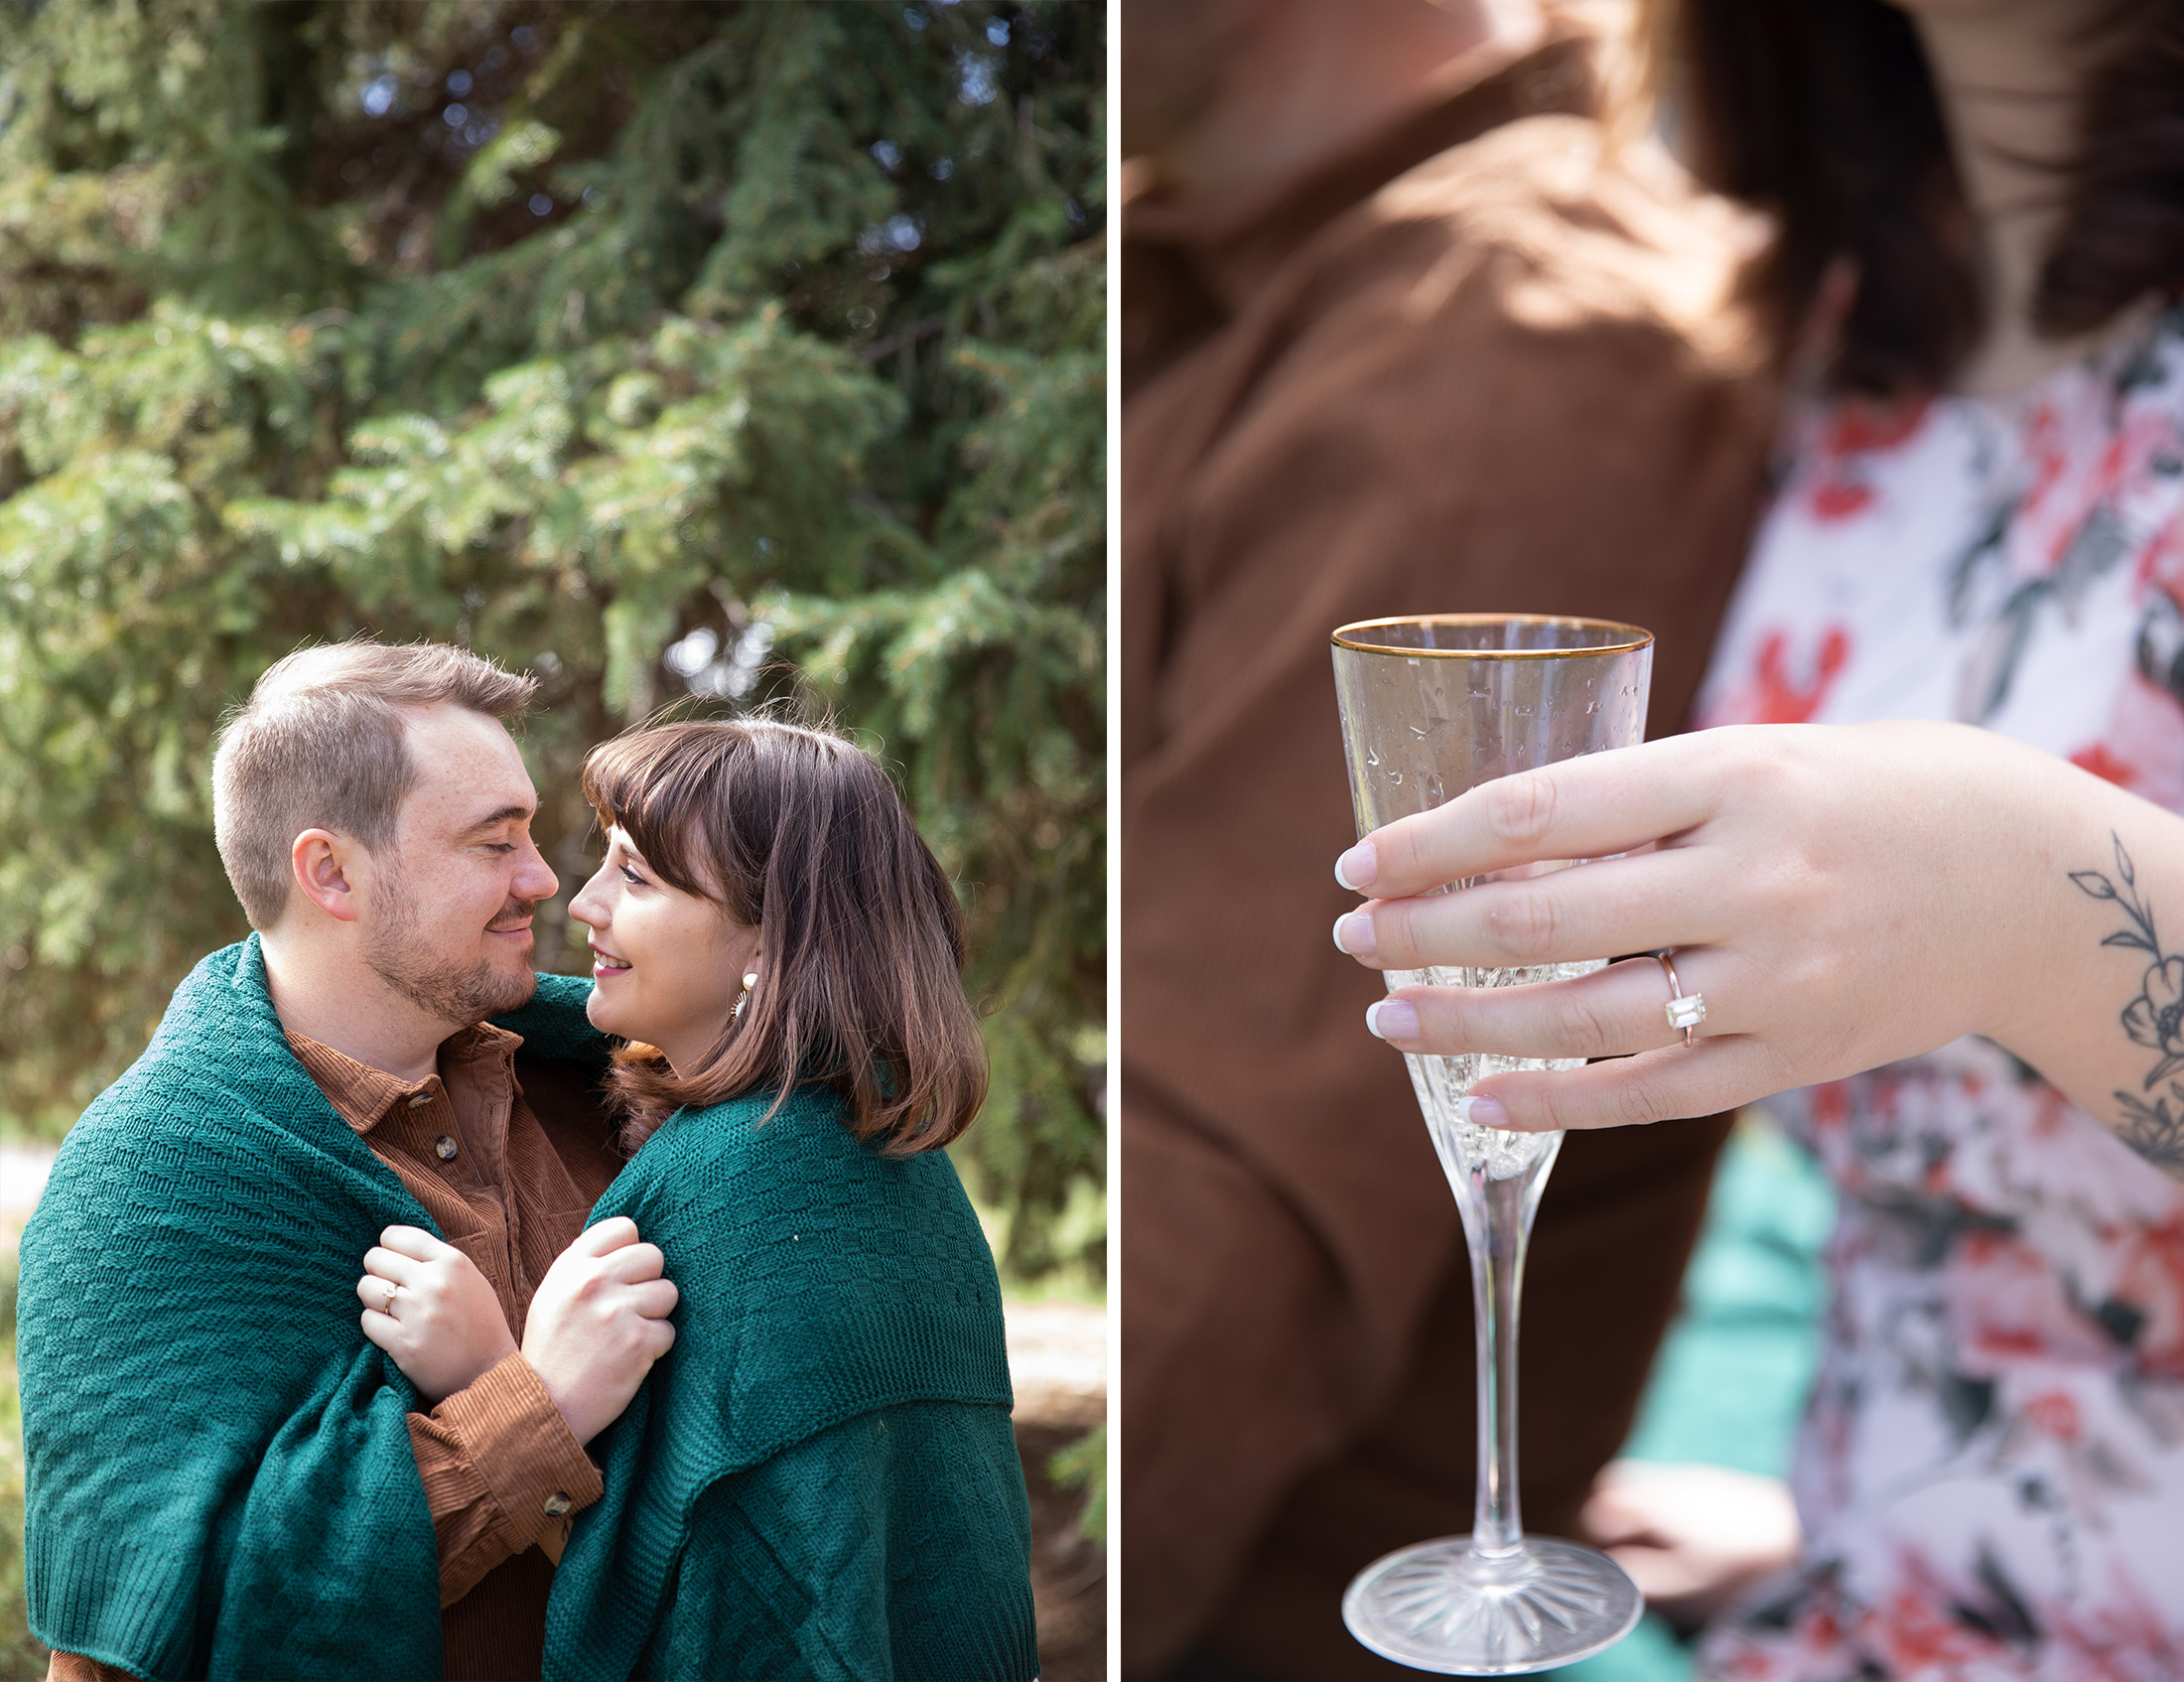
[(648, 785)]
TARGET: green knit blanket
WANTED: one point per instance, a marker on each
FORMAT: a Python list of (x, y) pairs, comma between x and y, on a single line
[(219, 1480), (819, 1481)]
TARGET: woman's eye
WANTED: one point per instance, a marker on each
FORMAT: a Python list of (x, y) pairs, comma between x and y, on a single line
[(631, 876)]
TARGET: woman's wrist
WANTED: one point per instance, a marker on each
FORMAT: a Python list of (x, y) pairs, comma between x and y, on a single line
[(2022, 820)]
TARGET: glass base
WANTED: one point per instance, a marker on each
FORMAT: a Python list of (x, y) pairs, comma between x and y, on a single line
[(1437, 1605)]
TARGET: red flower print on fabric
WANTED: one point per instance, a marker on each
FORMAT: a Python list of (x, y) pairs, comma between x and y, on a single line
[(1839, 498), (2056, 1414), (2149, 1283), (1781, 698), (2105, 764), (2161, 562), (1855, 428), (1913, 1634), (1860, 425)]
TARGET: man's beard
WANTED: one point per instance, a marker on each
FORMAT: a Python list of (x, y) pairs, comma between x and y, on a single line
[(396, 955)]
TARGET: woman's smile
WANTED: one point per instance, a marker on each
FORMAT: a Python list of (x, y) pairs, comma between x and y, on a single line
[(605, 964)]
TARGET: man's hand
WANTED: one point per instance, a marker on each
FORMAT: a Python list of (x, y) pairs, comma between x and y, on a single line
[(597, 1323), (427, 1305), (1692, 1537)]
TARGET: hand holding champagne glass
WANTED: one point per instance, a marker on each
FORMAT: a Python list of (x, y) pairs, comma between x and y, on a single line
[(1433, 706)]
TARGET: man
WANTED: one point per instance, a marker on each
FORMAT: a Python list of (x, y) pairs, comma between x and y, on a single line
[(224, 1477), (1401, 332)]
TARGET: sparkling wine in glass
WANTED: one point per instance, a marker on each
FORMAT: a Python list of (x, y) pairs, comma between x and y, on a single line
[(1434, 705)]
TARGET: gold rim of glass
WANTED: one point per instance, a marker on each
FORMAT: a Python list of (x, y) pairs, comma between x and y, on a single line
[(1630, 636)]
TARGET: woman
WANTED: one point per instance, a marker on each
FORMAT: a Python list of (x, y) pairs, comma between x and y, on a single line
[(819, 1477), (1980, 526)]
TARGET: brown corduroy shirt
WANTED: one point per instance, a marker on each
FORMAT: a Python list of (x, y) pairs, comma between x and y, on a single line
[(509, 1172), (1480, 360)]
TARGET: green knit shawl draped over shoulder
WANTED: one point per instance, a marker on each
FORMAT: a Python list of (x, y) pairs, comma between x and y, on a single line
[(219, 1478), (819, 1481)]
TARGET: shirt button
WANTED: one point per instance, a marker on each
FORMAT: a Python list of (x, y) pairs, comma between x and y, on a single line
[(421, 1101), (445, 1146), (556, 1504)]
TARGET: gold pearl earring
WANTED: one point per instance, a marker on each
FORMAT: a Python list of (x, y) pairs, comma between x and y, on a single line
[(750, 980)]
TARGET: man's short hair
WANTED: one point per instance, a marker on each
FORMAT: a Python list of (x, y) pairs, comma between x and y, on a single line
[(321, 745)]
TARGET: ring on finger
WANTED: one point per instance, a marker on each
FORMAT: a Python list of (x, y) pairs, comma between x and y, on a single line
[(1685, 1009), (388, 1307)]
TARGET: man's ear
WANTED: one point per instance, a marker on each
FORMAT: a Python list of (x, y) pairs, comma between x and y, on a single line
[(321, 860)]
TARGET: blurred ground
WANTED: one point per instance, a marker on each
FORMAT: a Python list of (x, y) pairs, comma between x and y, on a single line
[(1057, 1357), (1068, 1571), (1058, 1361), (23, 1170)]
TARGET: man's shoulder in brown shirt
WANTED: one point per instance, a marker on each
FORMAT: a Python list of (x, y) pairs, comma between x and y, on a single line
[(1508, 158), (1454, 343)]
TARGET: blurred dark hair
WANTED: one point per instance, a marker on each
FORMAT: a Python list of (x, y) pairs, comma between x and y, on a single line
[(797, 832), (1823, 112)]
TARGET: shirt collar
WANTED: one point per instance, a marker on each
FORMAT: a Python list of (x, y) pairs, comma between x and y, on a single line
[(365, 1096), (1233, 247)]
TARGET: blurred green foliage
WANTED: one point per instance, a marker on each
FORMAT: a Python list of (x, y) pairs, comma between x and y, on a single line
[(665, 351), (23, 1658), (1083, 1466)]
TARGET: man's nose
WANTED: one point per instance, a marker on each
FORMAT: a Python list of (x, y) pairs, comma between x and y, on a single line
[(536, 879)]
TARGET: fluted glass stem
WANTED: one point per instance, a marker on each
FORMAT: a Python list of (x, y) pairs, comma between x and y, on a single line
[(1497, 1228)]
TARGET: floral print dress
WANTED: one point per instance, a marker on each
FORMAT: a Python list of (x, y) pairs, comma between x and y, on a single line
[(1991, 1469)]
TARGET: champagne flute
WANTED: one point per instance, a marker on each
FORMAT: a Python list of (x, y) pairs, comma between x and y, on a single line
[(1434, 705)]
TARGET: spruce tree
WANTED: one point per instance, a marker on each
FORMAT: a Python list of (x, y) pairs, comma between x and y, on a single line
[(670, 351)]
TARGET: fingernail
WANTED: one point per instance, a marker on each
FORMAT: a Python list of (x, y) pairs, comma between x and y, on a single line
[(1354, 934), (1391, 1019), (1481, 1112), (1356, 868)]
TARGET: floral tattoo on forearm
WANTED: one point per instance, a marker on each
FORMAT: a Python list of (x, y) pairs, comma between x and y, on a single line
[(2155, 1020)]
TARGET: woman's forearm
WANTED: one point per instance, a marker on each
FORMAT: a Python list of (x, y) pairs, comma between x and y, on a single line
[(2095, 1002)]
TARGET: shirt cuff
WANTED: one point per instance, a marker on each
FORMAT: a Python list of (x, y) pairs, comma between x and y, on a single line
[(523, 1448)]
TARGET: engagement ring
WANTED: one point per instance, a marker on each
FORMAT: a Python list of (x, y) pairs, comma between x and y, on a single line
[(1685, 1009)]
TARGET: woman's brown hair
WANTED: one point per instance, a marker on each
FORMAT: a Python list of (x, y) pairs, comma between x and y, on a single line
[(1823, 112), (799, 833)]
